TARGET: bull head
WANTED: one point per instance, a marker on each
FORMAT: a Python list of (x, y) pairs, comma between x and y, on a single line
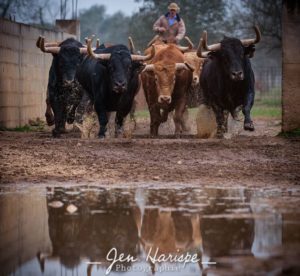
[(52, 47), (165, 76), (217, 46), (107, 56), (231, 52)]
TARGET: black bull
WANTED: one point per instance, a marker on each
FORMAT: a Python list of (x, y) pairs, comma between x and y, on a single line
[(110, 78), (63, 91), (227, 79)]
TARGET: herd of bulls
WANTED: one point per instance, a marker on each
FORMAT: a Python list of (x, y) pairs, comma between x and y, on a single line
[(108, 77)]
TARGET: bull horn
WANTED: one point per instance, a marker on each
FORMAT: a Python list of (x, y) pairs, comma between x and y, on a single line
[(183, 49), (45, 49), (48, 44), (156, 37), (247, 42), (92, 54), (83, 50), (185, 66), (213, 47), (144, 58), (148, 67), (200, 53), (191, 44), (131, 45)]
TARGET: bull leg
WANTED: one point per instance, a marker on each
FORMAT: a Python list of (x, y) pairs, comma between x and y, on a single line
[(220, 118), (59, 118), (125, 107), (164, 116), (178, 117), (51, 91), (185, 126), (248, 123), (102, 118), (155, 121), (132, 113), (78, 95), (49, 114), (85, 106), (226, 115)]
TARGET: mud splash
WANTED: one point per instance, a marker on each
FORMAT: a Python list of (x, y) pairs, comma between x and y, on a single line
[(70, 230)]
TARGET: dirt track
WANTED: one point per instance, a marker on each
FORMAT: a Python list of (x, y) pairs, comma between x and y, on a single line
[(251, 160)]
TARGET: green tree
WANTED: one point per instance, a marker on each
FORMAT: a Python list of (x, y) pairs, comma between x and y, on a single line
[(112, 29)]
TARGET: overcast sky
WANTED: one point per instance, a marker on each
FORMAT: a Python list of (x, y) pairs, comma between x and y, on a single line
[(112, 6)]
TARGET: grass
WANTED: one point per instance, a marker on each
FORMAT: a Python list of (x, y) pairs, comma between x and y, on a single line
[(288, 134), (266, 111), (25, 128), (34, 125)]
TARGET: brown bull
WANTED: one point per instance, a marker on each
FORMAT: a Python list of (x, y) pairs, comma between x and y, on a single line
[(192, 59), (166, 81)]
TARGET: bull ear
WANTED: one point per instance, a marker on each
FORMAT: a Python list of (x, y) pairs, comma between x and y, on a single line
[(249, 50)]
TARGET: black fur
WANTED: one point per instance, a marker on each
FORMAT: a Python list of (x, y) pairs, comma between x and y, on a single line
[(63, 90), (111, 84), (220, 90)]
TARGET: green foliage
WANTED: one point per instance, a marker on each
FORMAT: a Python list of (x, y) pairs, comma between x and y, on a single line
[(289, 134), (33, 125), (266, 111), (25, 128)]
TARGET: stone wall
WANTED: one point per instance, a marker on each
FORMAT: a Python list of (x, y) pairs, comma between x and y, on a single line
[(23, 72), (291, 69)]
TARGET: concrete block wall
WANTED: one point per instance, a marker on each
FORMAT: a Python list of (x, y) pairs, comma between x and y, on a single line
[(291, 69), (23, 72), (24, 229)]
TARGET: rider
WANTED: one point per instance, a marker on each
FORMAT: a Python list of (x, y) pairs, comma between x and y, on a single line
[(170, 26)]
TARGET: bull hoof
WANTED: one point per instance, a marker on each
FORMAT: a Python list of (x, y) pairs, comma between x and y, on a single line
[(49, 119), (249, 126), (70, 120), (220, 135), (101, 136), (56, 133)]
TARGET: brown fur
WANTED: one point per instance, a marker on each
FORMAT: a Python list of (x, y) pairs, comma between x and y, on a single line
[(164, 81)]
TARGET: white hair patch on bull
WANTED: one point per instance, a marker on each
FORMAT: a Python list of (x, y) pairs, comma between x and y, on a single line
[(206, 122)]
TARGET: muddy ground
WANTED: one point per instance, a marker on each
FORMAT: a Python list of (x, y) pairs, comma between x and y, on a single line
[(251, 159)]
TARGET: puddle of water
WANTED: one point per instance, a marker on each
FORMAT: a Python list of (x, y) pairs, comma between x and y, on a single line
[(188, 231)]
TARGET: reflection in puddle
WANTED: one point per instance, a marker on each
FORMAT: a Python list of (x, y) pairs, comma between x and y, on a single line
[(71, 230)]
